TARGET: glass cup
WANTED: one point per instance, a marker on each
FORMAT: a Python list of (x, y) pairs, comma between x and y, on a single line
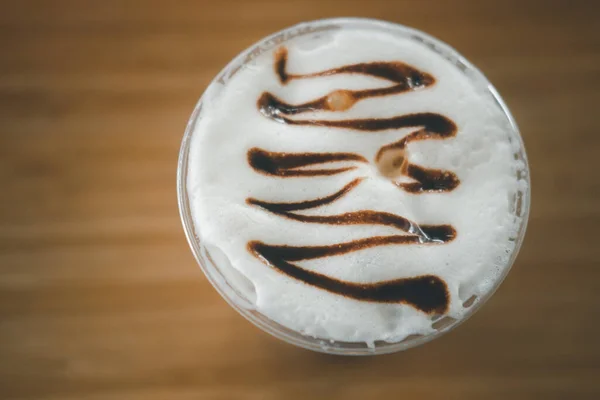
[(230, 285)]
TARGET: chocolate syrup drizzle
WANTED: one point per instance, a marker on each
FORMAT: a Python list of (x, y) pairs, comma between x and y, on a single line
[(427, 293), (423, 234), (290, 164)]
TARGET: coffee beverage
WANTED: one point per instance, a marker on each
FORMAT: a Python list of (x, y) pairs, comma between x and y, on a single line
[(356, 184)]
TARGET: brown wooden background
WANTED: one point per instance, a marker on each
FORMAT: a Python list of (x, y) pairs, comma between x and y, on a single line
[(100, 297)]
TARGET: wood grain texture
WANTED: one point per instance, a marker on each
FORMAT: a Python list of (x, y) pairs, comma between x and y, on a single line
[(100, 297)]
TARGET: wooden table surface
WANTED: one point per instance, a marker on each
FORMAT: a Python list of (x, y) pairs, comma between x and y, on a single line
[(100, 297)]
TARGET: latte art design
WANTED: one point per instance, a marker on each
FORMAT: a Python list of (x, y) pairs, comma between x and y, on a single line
[(427, 293)]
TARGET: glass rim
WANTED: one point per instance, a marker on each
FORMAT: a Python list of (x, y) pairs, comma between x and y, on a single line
[(260, 320)]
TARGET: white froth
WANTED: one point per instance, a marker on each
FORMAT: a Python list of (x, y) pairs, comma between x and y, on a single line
[(480, 209)]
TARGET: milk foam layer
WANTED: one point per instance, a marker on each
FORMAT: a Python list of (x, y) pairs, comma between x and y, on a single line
[(480, 209)]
